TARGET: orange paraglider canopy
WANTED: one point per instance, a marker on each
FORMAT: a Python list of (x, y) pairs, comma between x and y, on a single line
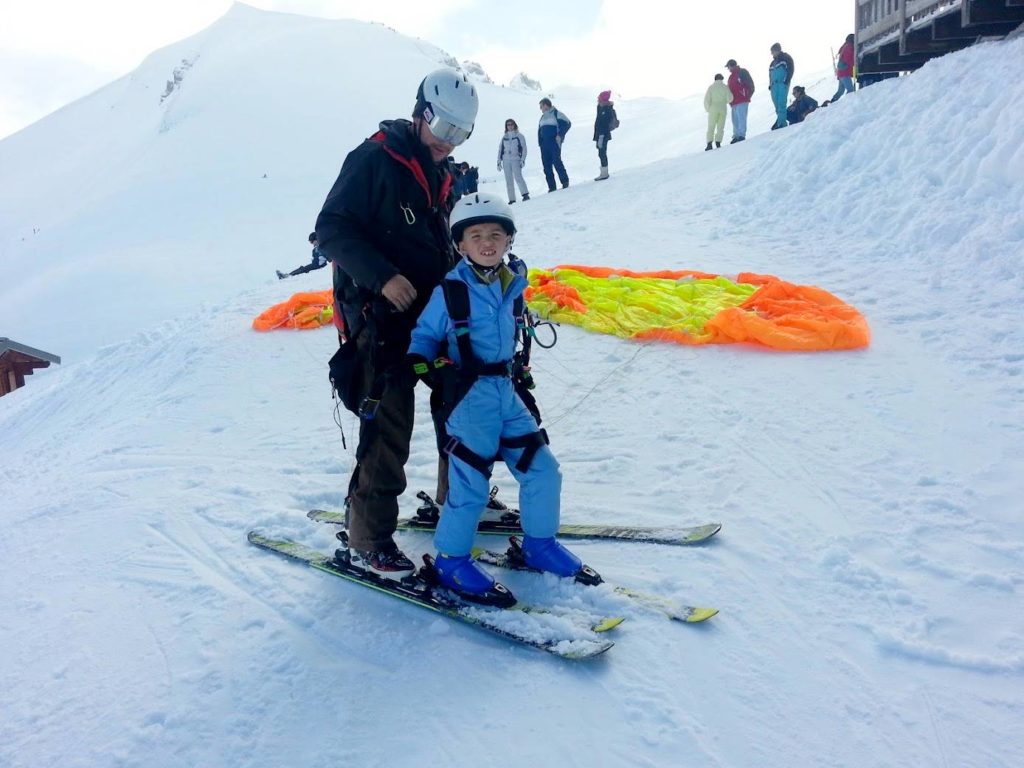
[(303, 311), (691, 307)]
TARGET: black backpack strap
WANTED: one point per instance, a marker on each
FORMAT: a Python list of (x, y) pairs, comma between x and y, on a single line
[(456, 300)]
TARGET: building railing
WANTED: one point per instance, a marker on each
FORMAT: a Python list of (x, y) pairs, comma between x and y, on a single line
[(880, 20)]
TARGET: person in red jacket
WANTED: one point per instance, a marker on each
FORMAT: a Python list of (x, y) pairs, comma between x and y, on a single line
[(742, 86), (844, 69)]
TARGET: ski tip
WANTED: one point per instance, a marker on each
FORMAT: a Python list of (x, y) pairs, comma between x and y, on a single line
[(702, 533), (608, 623), (580, 649), (698, 615)]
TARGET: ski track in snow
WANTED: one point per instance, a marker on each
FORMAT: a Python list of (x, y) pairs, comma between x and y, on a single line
[(871, 560)]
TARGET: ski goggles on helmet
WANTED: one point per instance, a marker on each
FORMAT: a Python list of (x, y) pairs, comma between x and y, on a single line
[(444, 129)]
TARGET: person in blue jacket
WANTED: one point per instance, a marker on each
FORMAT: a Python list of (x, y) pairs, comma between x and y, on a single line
[(801, 107), (551, 131), (487, 419), (319, 260), (780, 75)]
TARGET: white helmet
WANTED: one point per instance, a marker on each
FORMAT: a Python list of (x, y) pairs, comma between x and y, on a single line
[(448, 103), (480, 208)]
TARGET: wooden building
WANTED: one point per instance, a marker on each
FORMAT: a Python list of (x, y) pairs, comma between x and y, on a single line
[(901, 35), (18, 361)]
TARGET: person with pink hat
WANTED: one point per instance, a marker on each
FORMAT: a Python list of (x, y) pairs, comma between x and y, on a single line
[(606, 122)]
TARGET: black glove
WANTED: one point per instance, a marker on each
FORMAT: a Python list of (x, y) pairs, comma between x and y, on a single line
[(418, 368)]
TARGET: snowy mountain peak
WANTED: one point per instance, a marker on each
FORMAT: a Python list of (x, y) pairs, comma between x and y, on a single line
[(524, 82)]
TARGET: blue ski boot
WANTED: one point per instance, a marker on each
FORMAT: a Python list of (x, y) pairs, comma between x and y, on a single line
[(464, 576), (549, 555)]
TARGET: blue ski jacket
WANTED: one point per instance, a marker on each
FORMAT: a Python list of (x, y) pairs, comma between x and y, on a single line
[(490, 410)]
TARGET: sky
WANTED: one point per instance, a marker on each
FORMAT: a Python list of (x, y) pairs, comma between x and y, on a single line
[(55, 51)]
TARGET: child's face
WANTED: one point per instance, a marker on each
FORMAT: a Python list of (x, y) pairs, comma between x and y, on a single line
[(485, 244)]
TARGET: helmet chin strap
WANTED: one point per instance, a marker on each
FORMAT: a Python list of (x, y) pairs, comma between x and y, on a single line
[(487, 274)]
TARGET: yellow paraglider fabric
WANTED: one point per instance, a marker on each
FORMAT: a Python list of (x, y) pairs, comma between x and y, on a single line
[(302, 312), (688, 307)]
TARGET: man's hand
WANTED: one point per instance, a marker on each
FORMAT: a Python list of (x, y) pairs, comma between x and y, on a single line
[(558, 140), (399, 292)]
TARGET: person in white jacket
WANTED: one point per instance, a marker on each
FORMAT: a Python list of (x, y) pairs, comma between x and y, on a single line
[(716, 103), (512, 158)]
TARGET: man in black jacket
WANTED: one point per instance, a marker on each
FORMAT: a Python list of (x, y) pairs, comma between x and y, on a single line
[(384, 226)]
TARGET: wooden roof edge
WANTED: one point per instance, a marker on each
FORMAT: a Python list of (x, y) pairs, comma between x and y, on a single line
[(7, 344)]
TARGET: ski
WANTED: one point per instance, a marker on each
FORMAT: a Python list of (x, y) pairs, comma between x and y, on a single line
[(593, 623), (509, 526), (688, 614), (418, 591)]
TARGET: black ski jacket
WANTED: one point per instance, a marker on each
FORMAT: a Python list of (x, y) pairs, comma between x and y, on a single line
[(603, 121), (387, 214)]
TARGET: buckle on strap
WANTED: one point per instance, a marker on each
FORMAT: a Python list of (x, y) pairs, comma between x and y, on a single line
[(368, 408)]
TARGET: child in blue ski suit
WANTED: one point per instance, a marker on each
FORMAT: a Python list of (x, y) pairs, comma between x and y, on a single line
[(490, 420)]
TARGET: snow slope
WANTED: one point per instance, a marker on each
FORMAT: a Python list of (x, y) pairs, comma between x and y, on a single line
[(217, 184), (871, 563)]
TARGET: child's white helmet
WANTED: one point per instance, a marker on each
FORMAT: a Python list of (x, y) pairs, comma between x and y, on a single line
[(480, 208)]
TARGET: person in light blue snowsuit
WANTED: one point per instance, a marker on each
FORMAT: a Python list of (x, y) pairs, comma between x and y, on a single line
[(780, 75), (488, 419)]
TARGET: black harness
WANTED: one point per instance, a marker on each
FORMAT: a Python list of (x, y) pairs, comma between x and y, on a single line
[(456, 381)]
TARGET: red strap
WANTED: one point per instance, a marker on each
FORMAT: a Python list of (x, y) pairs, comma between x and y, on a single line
[(417, 170)]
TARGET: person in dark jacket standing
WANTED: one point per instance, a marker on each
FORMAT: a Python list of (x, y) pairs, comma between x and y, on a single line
[(605, 122), (470, 177), (551, 131), (742, 86), (780, 75), (384, 225)]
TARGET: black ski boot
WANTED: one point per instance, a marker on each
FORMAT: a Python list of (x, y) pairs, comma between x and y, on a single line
[(708, 148), (384, 562)]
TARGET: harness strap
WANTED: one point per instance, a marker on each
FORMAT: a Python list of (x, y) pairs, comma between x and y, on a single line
[(455, 447), (530, 443)]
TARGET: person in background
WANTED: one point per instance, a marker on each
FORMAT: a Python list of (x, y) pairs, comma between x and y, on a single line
[(716, 104), (470, 178), (801, 107), (512, 159), (741, 84), (384, 225), (551, 132), (319, 260), (605, 122), (458, 181), (844, 69), (780, 75)]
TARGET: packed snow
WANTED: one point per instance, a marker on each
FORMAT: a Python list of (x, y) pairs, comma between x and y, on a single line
[(871, 560)]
